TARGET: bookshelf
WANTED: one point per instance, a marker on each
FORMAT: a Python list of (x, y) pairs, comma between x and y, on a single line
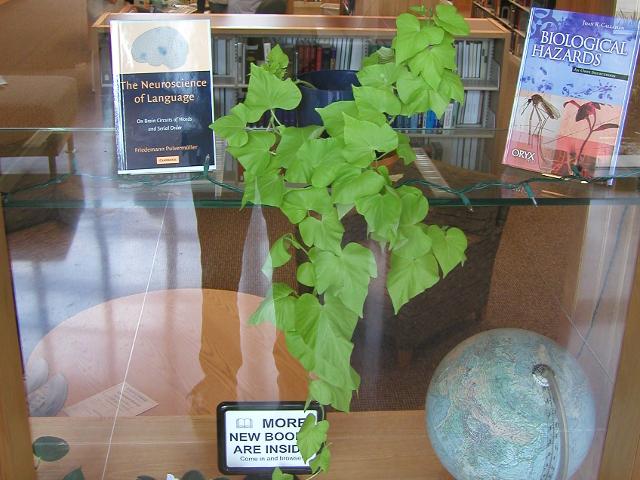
[(513, 15), (341, 42)]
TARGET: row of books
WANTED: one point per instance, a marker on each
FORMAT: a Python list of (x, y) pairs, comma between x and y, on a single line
[(333, 53), (224, 100), (472, 59), (462, 152), (454, 116), (537, 3), (234, 57), (468, 114), (421, 120), (519, 19)]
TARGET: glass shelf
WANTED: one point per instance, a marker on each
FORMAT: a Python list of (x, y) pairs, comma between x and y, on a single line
[(27, 180)]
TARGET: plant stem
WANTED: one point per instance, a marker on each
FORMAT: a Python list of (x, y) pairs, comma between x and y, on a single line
[(274, 117), (306, 84), (584, 143), (380, 157)]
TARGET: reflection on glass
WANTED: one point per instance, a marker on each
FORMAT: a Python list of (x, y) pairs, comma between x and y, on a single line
[(139, 294)]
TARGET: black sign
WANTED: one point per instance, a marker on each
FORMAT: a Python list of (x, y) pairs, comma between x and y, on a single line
[(256, 437)]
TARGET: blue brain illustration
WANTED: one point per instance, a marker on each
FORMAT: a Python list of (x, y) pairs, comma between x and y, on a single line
[(161, 46)]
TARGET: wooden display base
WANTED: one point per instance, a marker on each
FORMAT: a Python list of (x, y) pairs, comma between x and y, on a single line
[(371, 445)]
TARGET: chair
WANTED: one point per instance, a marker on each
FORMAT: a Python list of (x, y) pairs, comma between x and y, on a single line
[(457, 299), (36, 102)]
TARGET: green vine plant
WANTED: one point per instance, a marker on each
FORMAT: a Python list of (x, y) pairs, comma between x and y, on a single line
[(52, 449), (320, 175)]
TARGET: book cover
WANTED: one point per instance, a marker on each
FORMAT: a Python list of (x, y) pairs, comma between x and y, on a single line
[(163, 92), (573, 89)]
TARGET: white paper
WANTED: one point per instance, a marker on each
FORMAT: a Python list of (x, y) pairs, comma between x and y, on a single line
[(131, 402)]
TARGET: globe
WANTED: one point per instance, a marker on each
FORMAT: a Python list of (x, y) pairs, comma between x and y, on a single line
[(491, 416)]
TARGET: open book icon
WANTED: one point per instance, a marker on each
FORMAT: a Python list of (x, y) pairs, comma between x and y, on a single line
[(244, 423)]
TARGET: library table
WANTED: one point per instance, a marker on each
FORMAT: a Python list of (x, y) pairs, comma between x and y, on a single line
[(186, 349)]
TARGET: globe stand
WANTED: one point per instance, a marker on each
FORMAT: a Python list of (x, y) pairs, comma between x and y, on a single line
[(546, 377)]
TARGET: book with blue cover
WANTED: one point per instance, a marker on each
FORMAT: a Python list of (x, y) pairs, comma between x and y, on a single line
[(573, 90), (163, 95)]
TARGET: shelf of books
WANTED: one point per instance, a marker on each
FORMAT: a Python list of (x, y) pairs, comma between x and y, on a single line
[(340, 43), (513, 14)]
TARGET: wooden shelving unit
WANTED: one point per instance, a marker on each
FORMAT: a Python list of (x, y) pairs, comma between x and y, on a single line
[(512, 14), (480, 64)]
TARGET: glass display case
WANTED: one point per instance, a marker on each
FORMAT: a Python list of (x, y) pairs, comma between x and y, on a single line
[(132, 293)]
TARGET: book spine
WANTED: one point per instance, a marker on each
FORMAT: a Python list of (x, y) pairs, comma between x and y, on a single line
[(625, 102)]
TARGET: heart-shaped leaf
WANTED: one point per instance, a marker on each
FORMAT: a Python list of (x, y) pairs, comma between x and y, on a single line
[(321, 339), (322, 460), (363, 139), (305, 274), (254, 154), (277, 62), (448, 18), (435, 35), (325, 233), (429, 66), (311, 436), (277, 307), (606, 126), (267, 92), (279, 253), (405, 150), (232, 128), (292, 138), (414, 93), (74, 475), (412, 242), (332, 116), (50, 449), (451, 86), (278, 475), (448, 246), (299, 202), (348, 190), (381, 56), (446, 54), (326, 173), (410, 38), (414, 205), (266, 189), (380, 75), (376, 99), (193, 475), (382, 213), (346, 275), (409, 277)]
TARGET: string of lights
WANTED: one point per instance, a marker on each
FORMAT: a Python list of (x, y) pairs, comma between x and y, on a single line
[(524, 186)]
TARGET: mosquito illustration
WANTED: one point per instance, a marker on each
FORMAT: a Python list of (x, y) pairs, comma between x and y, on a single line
[(543, 110)]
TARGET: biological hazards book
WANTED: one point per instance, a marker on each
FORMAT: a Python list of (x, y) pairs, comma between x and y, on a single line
[(163, 95), (572, 94)]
